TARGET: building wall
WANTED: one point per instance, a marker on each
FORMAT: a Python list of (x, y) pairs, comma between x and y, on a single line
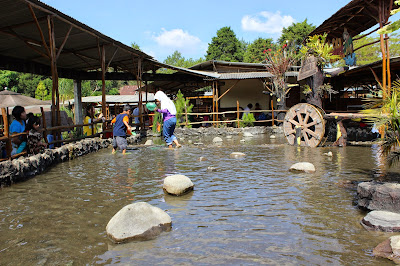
[(245, 91)]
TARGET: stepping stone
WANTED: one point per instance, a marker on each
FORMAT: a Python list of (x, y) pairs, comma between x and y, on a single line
[(382, 221), (237, 155), (303, 167), (177, 185)]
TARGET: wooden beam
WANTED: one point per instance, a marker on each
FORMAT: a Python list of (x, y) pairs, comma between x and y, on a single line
[(109, 62), (63, 43), (39, 28), (219, 98)]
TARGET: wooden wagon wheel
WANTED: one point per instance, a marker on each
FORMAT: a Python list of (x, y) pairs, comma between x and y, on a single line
[(309, 119)]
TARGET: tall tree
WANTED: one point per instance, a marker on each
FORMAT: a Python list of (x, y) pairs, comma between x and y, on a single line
[(257, 50), (225, 46), (41, 91), (296, 33), (176, 59)]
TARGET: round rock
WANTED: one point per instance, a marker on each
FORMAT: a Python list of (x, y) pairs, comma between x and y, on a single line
[(237, 155), (177, 185), (272, 137), (382, 221), (217, 139), (247, 134), (138, 221), (148, 142), (303, 167)]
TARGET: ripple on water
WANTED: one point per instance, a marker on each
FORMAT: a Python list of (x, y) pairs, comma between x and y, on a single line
[(250, 211)]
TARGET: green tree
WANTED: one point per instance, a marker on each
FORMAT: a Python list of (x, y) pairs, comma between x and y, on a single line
[(9, 79), (296, 33), (367, 54), (225, 46), (41, 91), (181, 103), (176, 59), (257, 50)]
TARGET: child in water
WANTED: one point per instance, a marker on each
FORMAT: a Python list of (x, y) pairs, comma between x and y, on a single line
[(120, 129), (169, 116)]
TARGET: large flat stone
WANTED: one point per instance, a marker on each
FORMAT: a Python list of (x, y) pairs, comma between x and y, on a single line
[(177, 185), (379, 196), (382, 221)]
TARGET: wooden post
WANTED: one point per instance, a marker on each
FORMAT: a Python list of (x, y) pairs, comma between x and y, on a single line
[(44, 125), (272, 108), (216, 102), (238, 113), (78, 105), (213, 110), (6, 132), (186, 116)]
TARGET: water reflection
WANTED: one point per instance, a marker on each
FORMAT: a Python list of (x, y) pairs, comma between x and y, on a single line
[(249, 211)]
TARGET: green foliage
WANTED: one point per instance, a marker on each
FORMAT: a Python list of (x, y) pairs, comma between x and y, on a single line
[(385, 114), (317, 46), (256, 51), (367, 54), (248, 120), (157, 120), (296, 33), (180, 104), (66, 89), (225, 46), (135, 46), (41, 91), (176, 59), (394, 25), (114, 91)]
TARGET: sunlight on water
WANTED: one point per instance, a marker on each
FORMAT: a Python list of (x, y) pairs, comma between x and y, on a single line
[(249, 211)]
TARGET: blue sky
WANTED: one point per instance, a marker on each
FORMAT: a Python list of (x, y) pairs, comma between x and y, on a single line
[(161, 27)]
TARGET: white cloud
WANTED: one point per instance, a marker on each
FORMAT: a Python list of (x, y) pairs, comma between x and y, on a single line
[(266, 22), (177, 39)]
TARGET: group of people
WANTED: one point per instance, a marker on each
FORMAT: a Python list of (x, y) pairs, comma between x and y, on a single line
[(122, 128), (32, 141), (257, 115)]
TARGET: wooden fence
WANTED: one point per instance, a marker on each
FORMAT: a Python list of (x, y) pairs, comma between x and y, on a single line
[(56, 130)]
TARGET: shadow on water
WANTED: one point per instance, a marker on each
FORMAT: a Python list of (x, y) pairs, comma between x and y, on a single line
[(249, 211)]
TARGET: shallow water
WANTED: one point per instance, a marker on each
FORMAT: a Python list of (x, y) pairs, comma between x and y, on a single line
[(250, 211)]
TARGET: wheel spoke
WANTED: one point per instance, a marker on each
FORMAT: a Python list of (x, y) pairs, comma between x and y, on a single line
[(312, 133), (306, 118), (299, 117), (306, 138)]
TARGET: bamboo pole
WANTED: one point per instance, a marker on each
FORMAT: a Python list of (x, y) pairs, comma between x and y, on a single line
[(6, 132), (213, 115), (186, 116), (273, 115), (382, 43), (389, 79), (238, 113), (216, 101), (44, 125)]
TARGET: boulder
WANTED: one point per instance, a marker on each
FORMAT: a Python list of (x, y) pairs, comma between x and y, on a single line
[(303, 167), (389, 249), (138, 221), (217, 139), (382, 221), (237, 155), (247, 134), (272, 137), (379, 196), (148, 142), (177, 184)]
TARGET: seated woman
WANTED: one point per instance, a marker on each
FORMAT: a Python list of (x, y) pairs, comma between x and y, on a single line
[(90, 130), (35, 137), (18, 143)]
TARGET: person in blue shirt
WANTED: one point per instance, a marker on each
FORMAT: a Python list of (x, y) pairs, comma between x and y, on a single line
[(18, 126), (121, 127)]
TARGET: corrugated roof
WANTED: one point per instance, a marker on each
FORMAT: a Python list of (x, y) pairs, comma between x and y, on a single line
[(115, 98), (244, 75), (357, 16)]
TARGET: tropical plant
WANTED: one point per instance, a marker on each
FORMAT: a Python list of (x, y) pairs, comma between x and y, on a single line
[(317, 46), (277, 63), (248, 120), (157, 122), (385, 115), (182, 106)]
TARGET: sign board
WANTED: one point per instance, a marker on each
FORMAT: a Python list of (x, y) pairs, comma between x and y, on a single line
[(308, 68)]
